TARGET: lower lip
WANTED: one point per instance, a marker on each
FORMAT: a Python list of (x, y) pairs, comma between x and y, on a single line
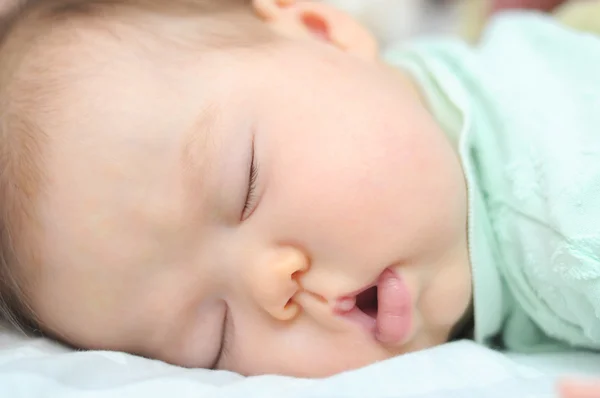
[(394, 314)]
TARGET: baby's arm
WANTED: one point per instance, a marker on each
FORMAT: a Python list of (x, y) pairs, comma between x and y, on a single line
[(580, 389)]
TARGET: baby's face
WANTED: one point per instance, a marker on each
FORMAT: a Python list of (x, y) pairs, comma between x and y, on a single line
[(226, 209)]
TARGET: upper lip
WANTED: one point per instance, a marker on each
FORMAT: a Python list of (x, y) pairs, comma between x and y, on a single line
[(347, 302), (382, 308)]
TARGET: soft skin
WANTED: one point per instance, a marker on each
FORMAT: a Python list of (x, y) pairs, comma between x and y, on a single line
[(151, 247)]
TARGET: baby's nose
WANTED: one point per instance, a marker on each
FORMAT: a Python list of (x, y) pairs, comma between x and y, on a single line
[(275, 281)]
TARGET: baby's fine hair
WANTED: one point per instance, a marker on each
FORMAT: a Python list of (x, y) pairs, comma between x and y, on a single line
[(33, 38)]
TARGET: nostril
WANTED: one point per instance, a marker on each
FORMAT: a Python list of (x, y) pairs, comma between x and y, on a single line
[(289, 303), (289, 312), (297, 275)]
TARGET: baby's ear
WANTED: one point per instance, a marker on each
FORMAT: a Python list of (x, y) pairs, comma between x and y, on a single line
[(308, 19)]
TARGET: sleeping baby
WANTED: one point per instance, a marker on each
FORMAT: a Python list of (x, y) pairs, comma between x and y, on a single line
[(248, 186)]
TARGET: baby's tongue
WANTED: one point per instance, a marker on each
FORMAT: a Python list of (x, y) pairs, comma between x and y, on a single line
[(394, 309)]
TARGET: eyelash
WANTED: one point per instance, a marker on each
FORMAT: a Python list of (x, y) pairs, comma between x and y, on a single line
[(250, 196)]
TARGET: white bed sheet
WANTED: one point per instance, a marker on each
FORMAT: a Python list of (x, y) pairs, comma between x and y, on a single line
[(39, 368)]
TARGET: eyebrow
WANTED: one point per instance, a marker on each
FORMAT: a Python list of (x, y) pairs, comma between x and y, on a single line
[(196, 139), (195, 160)]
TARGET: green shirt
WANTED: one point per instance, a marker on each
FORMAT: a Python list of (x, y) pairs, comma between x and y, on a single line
[(524, 110)]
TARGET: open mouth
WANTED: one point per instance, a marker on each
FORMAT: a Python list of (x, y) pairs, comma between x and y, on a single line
[(384, 308), (367, 302)]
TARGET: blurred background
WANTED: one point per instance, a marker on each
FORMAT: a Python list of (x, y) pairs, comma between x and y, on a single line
[(389, 19), (400, 19)]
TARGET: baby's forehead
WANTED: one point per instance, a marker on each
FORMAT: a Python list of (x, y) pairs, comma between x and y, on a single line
[(118, 131), (114, 102), (49, 75), (59, 59)]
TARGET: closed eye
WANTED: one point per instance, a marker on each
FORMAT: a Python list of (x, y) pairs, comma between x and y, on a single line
[(251, 193)]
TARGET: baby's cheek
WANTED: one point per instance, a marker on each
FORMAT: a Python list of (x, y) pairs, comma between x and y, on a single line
[(331, 209), (307, 348)]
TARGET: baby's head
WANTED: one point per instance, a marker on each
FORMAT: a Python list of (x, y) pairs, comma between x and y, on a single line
[(215, 183)]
